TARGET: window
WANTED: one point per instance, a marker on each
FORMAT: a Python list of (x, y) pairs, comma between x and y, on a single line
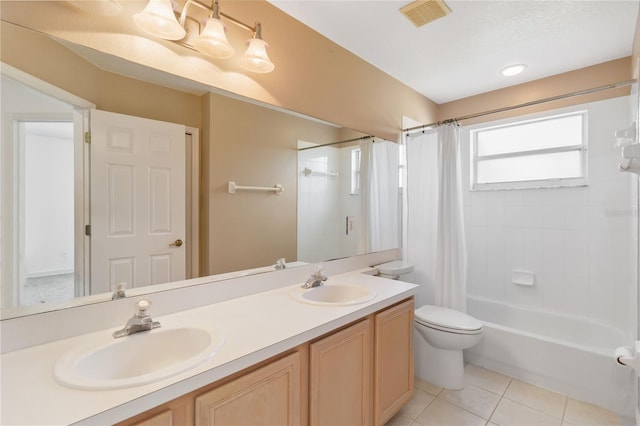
[(543, 152), (355, 171)]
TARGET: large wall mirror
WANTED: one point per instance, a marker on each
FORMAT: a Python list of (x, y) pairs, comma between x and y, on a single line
[(329, 207)]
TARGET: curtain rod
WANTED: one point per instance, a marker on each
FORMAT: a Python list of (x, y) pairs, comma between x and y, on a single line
[(526, 104), (361, 138)]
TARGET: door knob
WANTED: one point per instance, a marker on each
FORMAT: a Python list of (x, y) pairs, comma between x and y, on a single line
[(176, 243)]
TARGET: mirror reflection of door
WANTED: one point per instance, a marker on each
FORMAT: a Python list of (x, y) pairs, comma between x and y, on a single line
[(45, 202), (137, 201)]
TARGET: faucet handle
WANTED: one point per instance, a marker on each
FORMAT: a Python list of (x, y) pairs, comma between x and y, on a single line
[(141, 307), (319, 274)]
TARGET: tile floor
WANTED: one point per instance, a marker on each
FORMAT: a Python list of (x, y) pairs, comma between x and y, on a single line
[(51, 288), (493, 399)]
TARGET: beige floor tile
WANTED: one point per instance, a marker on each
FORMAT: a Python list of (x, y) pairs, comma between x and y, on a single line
[(511, 413), (399, 420), (537, 398), (585, 414), (417, 404), (473, 399), (427, 387), (486, 379), (443, 413)]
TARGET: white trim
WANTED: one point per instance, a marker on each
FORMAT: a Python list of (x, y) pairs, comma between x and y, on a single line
[(193, 202), (43, 86)]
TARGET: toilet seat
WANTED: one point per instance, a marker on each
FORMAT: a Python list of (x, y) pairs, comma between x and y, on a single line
[(449, 320), (397, 267)]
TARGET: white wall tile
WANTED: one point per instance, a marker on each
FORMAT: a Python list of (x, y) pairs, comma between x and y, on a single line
[(532, 250), (576, 253), (553, 217), (495, 214), (576, 217), (478, 210), (576, 240), (513, 216), (532, 216), (577, 295)]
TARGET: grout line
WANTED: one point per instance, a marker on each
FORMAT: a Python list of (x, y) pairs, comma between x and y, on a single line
[(566, 405), (499, 401)]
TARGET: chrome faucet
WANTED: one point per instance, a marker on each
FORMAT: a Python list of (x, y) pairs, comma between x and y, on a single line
[(140, 321), (119, 292), (316, 279), (280, 264)]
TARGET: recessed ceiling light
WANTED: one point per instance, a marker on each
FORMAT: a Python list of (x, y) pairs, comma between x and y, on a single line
[(513, 70)]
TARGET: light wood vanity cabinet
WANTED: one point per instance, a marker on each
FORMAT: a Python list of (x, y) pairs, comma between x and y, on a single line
[(270, 395), (393, 355), (340, 391), (361, 374)]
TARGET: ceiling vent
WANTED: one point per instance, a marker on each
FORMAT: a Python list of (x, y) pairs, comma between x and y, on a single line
[(421, 12)]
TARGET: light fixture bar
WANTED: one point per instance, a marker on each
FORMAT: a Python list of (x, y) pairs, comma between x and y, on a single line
[(159, 19), (183, 14)]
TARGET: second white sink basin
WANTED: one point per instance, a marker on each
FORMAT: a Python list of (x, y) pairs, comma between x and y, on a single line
[(137, 359), (335, 294)]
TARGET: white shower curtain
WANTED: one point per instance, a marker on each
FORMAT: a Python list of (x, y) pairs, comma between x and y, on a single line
[(379, 195), (435, 222)]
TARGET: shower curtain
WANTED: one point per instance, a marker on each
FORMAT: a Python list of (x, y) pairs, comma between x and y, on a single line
[(379, 195), (434, 220)]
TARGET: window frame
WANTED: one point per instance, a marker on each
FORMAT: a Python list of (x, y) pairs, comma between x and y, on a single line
[(529, 184)]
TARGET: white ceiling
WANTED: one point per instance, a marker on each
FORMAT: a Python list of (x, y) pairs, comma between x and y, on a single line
[(462, 54)]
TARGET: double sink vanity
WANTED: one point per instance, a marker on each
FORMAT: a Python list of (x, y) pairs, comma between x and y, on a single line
[(339, 352)]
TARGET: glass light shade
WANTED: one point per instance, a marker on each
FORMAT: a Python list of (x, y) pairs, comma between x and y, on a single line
[(255, 58), (213, 40), (159, 20)]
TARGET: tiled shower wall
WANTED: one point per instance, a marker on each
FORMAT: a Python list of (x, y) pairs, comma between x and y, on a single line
[(577, 241)]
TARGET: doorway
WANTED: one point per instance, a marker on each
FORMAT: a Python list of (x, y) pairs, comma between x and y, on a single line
[(46, 211)]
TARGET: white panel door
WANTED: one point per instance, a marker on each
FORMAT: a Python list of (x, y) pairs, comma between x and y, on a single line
[(137, 201)]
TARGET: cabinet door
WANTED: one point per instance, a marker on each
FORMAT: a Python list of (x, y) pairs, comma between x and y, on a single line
[(173, 413), (269, 395), (340, 377), (163, 419), (393, 360)]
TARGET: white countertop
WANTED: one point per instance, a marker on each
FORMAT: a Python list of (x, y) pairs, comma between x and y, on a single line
[(255, 328)]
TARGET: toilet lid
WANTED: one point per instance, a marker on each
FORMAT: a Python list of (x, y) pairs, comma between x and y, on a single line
[(397, 267), (446, 318)]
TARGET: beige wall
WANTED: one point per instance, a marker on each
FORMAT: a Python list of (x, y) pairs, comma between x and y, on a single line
[(253, 146), (313, 75), (52, 62), (581, 79)]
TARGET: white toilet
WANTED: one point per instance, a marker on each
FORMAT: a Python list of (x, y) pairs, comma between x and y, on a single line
[(444, 334)]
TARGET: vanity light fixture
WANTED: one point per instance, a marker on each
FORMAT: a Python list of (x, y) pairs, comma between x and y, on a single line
[(513, 70), (159, 19)]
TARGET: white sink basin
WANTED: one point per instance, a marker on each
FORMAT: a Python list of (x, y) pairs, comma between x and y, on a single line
[(334, 294), (107, 363)]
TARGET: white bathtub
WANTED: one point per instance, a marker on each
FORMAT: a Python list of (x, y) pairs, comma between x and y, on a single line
[(567, 354)]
